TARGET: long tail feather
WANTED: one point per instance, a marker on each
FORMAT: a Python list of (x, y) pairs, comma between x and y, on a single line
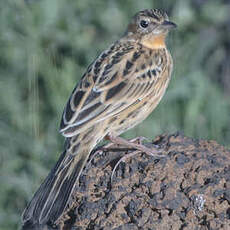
[(51, 199)]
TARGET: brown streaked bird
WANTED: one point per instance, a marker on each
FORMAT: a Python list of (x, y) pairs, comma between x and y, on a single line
[(118, 91)]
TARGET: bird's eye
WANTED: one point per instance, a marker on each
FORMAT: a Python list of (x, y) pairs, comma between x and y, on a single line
[(144, 24)]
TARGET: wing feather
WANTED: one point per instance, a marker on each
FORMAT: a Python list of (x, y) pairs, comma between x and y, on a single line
[(114, 81)]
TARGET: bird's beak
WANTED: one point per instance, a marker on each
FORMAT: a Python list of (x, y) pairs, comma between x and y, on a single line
[(168, 25)]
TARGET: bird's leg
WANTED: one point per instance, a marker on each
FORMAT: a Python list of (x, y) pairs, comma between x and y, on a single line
[(139, 140), (140, 147), (122, 159), (112, 147), (135, 143)]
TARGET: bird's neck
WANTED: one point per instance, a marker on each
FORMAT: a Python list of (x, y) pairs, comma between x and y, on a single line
[(154, 42)]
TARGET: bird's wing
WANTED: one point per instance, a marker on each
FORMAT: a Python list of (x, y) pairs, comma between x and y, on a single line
[(119, 77)]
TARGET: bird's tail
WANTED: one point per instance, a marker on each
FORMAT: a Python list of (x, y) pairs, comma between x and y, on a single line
[(51, 198)]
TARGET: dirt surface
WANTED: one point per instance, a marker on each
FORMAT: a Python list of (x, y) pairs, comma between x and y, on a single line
[(188, 189)]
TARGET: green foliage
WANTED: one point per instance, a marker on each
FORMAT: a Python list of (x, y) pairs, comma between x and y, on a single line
[(45, 46)]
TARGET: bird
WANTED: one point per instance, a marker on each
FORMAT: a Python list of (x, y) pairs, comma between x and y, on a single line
[(119, 89)]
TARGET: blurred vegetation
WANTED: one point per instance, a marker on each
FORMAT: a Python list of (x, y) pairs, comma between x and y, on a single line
[(45, 47)]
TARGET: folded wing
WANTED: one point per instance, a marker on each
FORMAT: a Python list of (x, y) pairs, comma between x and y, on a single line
[(114, 81)]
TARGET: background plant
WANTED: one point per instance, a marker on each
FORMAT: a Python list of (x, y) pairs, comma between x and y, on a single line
[(45, 46)]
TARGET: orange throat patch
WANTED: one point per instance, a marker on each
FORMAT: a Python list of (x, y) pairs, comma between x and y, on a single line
[(155, 42)]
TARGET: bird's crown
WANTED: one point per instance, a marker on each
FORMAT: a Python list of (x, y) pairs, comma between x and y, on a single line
[(156, 14)]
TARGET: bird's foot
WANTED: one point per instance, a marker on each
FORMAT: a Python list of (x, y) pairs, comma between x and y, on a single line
[(132, 144), (135, 143), (139, 140)]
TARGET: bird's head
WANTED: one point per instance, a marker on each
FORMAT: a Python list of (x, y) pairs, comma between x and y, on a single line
[(150, 27)]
